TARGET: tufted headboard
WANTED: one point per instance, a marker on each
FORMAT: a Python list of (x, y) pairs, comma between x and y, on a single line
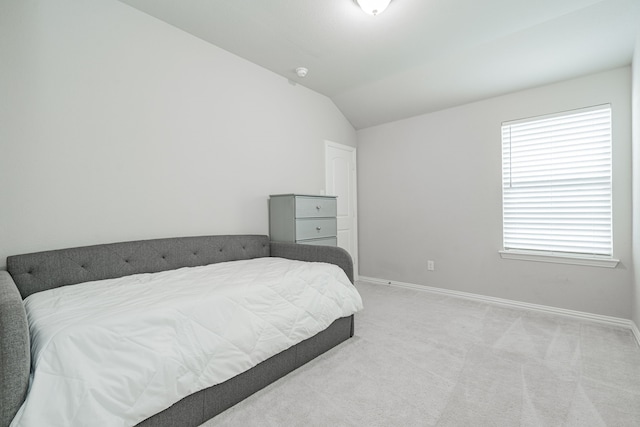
[(51, 269)]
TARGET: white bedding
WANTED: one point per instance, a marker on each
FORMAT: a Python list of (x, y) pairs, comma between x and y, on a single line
[(114, 352)]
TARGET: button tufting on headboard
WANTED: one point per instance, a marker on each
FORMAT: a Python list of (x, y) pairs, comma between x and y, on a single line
[(51, 269)]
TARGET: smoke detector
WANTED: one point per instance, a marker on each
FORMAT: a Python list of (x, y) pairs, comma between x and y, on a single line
[(301, 71)]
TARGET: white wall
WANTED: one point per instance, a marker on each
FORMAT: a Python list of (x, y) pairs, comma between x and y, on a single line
[(636, 181), (116, 126), (430, 188)]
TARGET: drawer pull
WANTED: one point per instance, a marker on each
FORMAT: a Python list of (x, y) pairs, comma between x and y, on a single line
[(318, 228), (318, 207)]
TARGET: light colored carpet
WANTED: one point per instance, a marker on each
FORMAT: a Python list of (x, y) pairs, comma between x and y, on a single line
[(420, 359)]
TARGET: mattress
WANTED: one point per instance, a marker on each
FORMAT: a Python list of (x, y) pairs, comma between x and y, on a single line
[(114, 352)]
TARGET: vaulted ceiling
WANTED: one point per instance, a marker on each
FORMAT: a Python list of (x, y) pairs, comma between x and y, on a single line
[(419, 55)]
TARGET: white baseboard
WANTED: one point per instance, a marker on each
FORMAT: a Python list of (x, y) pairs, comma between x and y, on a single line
[(607, 320), (636, 332)]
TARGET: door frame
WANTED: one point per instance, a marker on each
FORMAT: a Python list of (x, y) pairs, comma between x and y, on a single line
[(354, 192)]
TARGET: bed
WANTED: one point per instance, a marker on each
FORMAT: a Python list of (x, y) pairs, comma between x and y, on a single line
[(247, 259)]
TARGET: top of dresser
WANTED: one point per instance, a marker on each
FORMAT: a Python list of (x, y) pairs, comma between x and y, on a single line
[(299, 195)]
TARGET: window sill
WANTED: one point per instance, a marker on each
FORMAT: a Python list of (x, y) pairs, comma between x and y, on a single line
[(559, 258)]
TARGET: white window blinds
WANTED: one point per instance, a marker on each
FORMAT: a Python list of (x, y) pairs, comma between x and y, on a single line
[(556, 183)]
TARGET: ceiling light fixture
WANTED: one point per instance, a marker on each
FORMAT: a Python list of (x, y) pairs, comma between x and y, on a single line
[(373, 7)]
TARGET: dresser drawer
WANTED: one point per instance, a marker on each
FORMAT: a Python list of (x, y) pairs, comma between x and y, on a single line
[(328, 241), (316, 207), (316, 228)]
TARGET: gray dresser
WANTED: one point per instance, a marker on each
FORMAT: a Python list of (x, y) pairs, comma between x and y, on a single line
[(303, 219)]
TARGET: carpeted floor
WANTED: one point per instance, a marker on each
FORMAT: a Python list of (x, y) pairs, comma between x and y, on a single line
[(420, 359)]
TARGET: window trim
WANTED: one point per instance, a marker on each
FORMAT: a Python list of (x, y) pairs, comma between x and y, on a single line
[(559, 258)]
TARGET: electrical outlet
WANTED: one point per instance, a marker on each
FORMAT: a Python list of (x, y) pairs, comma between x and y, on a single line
[(431, 265)]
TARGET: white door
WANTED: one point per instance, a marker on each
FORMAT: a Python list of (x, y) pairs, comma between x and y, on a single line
[(340, 173)]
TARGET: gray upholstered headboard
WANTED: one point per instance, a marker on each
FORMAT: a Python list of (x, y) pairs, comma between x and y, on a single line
[(51, 269)]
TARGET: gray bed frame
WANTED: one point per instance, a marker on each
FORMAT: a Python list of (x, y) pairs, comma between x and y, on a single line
[(30, 273)]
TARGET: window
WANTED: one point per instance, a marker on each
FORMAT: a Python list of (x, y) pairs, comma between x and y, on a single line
[(556, 186)]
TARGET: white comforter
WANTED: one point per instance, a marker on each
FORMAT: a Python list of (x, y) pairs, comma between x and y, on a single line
[(114, 352)]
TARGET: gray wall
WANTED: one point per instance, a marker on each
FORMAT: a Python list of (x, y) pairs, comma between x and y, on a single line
[(430, 188), (636, 182), (116, 126)]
